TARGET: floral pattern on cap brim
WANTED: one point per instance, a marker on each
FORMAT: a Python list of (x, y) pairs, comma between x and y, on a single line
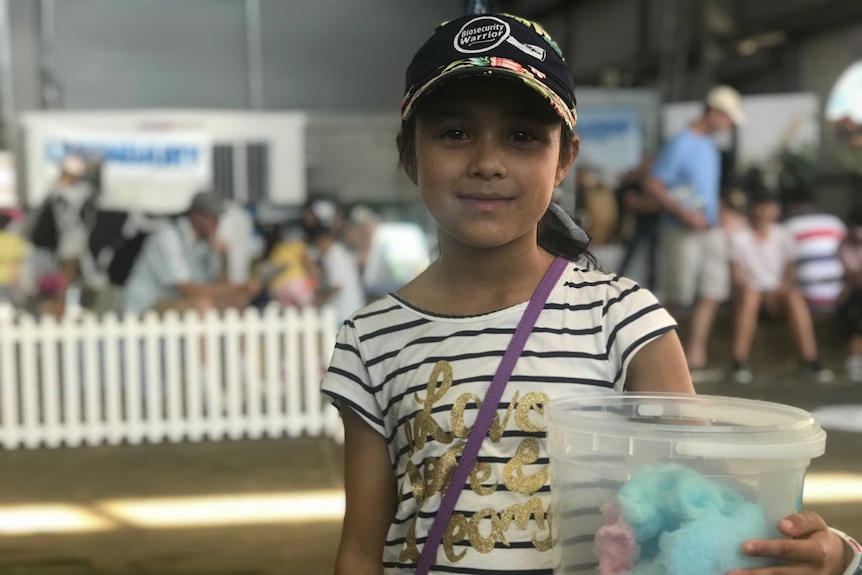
[(529, 75), (537, 28)]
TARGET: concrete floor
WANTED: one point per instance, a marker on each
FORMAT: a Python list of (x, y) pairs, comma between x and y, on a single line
[(86, 476)]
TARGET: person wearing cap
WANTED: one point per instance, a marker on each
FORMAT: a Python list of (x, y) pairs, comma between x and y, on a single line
[(488, 131), (764, 280), (63, 225), (488, 120), (685, 181), (182, 265), (339, 282)]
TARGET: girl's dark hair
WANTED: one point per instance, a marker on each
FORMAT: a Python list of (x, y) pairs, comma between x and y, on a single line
[(553, 236)]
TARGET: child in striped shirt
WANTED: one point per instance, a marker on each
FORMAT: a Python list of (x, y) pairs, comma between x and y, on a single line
[(488, 123)]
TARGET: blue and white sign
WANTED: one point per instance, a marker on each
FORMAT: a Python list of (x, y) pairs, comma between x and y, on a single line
[(151, 171), (129, 153), (611, 141)]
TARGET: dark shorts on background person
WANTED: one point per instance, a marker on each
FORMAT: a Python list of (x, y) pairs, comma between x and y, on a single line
[(850, 314)]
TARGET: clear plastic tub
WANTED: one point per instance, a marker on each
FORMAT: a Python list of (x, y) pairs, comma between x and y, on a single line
[(672, 484)]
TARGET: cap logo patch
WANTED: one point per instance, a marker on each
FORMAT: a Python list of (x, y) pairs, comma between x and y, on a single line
[(486, 33)]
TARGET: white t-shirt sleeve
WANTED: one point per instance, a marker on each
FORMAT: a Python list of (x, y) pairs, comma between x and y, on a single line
[(348, 382), (632, 317)]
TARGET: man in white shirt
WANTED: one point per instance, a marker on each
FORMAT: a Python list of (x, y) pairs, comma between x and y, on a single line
[(340, 284)]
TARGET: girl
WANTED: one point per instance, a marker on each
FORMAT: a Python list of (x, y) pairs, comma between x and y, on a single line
[(487, 133)]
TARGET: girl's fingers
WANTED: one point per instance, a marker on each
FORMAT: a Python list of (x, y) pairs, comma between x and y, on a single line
[(809, 551), (810, 554), (777, 570), (802, 546), (802, 524)]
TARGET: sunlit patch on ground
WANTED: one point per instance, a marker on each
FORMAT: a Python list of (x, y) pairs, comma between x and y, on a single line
[(174, 512), (263, 508), (840, 417), (227, 509), (54, 518)]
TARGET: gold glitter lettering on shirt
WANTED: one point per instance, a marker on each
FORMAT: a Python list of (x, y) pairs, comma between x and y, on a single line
[(521, 514), (456, 416), (481, 473), (435, 475), (410, 551), (424, 423), (513, 472), (417, 483), (460, 527), (532, 402), (479, 542), (459, 426), (438, 472), (546, 543), (495, 432), (455, 532)]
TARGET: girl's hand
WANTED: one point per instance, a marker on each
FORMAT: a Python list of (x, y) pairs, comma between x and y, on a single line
[(812, 550)]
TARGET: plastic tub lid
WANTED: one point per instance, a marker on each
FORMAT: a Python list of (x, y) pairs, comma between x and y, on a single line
[(697, 425)]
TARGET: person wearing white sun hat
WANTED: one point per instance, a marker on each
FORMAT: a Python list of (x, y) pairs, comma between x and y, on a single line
[(726, 99), (685, 181)]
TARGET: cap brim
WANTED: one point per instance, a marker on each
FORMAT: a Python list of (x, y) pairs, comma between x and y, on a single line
[(475, 67)]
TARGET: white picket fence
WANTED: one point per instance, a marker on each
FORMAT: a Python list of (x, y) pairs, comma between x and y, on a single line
[(111, 380)]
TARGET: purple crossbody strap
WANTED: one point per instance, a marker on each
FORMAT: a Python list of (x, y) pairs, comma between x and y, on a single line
[(486, 414)]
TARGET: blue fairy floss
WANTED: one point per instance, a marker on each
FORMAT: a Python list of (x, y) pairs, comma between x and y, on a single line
[(687, 524)]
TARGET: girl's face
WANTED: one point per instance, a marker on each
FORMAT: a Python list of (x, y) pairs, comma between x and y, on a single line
[(487, 161)]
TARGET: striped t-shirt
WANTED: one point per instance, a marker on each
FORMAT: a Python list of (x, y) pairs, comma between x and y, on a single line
[(418, 379), (819, 273)]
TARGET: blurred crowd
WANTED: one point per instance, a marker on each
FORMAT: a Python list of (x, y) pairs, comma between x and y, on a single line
[(68, 255), (771, 253), (757, 244), (780, 254)]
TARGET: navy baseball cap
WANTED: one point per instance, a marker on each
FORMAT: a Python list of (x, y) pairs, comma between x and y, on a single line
[(499, 45)]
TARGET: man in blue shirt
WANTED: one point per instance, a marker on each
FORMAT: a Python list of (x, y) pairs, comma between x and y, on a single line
[(181, 266), (686, 182)]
